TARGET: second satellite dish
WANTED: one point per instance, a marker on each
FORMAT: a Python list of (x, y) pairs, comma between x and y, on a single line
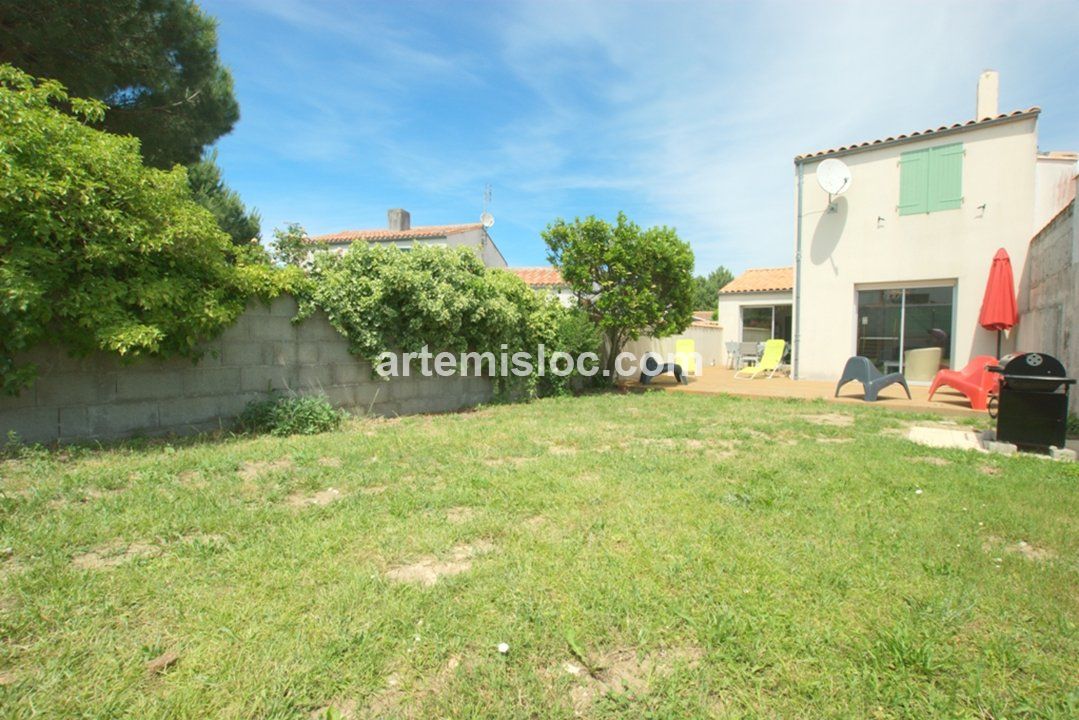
[(833, 176), (487, 219)]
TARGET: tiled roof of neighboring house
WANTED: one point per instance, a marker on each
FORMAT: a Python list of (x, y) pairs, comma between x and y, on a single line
[(920, 134), (539, 276), (761, 280), (419, 232)]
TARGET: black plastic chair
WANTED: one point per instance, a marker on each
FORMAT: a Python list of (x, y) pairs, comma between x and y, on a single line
[(652, 368), (873, 381)]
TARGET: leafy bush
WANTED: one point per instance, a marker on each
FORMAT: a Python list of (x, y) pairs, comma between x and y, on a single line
[(385, 300), (293, 415), (98, 251)]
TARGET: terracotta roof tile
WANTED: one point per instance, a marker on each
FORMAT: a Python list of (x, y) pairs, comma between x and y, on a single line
[(761, 280), (847, 149), (419, 232), (539, 276)]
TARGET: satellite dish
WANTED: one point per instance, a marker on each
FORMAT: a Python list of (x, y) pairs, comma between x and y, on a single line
[(833, 176), (487, 219)]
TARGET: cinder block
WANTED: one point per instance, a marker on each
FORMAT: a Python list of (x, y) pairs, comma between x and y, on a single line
[(263, 378), (1002, 448), (148, 384), (1064, 454), (236, 332), (279, 353), (74, 423), (32, 425), (118, 420), (348, 373), (187, 411), (242, 354), (27, 398), (332, 351), (210, 381), (342, 396), (306, 353), (86, 388), (271, 328), (313, 378)]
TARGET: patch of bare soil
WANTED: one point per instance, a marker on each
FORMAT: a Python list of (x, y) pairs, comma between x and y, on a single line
[(254, 469), (1022, 548), (460, 514), (536, 521), (833, 441), (679, 443), (938, 461), (7, 677), (830, 419), (190, 477), (329, 461), (622, 671), (989, 470), (561, 450), (321, 498), (499, 462), (113, 554), (429, 569)]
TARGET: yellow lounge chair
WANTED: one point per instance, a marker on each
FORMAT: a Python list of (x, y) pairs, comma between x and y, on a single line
[(769, 362)]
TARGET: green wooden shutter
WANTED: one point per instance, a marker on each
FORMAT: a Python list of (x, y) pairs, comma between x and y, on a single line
[(946, 177), (914, 182)]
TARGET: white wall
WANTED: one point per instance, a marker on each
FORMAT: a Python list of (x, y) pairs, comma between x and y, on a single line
[(478, 240), (1055, 186), (867, 241), (707, 340), (730, 311)]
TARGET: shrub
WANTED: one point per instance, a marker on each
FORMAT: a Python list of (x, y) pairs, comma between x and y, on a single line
[(98, 251), (292, 415)]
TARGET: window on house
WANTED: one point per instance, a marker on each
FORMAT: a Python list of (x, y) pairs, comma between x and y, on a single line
[(931, 180)]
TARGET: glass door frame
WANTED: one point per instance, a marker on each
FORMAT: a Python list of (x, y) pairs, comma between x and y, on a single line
[(903, 286)]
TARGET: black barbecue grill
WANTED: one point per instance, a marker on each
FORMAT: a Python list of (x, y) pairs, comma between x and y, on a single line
[(1032, 407)]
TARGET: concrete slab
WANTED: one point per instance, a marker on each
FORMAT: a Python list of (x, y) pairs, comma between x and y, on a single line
[(947, 438)]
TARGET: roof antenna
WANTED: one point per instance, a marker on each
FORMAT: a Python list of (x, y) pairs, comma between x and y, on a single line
[(486, 218)]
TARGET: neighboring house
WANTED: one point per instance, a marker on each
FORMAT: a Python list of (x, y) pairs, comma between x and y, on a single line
[(546, 280), (757, 305), (402, 235), (899, 261)]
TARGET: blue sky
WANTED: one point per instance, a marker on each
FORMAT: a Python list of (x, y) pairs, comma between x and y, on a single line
[(684, 114)]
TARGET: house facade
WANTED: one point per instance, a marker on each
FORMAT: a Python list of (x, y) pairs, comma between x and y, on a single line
[(895, 267), (401, 234), (758, 305)]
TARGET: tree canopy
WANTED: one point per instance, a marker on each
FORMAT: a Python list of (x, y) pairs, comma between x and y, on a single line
[(210, 191), (630, 281), (706, 288), (153, 63), (98, 251)]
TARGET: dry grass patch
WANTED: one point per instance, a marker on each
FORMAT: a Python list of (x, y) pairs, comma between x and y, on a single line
[(621, 671), (390, 702), (254, 469), (1021, 548), (460, 514), (938, 461), (321, 498), (429, 569), (113, 554), (830, 419), (329, 461), (373, 490)]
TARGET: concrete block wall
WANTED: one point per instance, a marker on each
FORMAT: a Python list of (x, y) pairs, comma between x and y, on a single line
[(101, 398), (1049, 297)]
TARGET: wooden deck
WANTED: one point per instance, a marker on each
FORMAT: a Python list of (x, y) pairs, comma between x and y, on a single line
[(721, 381)]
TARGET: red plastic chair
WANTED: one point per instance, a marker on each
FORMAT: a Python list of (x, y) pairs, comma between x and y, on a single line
[(974, 381)]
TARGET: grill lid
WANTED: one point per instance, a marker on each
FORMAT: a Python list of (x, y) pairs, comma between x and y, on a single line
[(1030, 365)]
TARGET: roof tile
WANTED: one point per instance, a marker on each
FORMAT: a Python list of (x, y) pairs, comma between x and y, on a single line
[(761, 280), (539, 276), (419, 232)]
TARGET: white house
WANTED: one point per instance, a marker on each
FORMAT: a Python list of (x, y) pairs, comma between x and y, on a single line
[(899, 261), (401, 234), (757, 305)]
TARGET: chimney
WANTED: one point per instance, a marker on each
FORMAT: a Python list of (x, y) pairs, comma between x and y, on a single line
[(399, 219), (988, 95)]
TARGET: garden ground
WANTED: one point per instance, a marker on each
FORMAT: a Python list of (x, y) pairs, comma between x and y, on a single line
[(649, 554)]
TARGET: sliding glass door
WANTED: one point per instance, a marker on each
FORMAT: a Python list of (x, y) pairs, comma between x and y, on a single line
[(894, 322), (764, 322)]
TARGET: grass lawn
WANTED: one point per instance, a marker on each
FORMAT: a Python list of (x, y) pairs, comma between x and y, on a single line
[(659, 555)]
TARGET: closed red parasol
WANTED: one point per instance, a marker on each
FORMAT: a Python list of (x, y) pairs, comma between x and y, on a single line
[(998, 306)]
